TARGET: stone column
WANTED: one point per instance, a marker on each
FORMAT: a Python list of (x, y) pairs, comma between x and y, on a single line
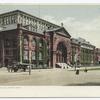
[(20, 44), (54, 59), (30, 51), (68, 46), (3, 52), (20, 48)]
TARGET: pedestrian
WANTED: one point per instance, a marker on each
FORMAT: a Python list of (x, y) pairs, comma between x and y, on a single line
[(77, 71), (78, 66)]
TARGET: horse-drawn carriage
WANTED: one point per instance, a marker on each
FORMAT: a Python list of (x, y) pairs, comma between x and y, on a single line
[(15, 66)]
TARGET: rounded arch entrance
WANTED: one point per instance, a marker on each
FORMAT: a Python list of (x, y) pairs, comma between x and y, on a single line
[(61, 53)]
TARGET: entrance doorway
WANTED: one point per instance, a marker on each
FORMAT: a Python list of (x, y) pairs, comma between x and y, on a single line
[(61, 55)]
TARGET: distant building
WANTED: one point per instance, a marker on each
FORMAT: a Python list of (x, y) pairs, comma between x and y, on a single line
[(85, 50), (75, 49), (97, 56)]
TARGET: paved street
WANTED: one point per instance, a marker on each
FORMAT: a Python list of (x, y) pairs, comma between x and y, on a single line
[(56, 77)]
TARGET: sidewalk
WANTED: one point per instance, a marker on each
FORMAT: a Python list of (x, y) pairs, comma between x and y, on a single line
[(4, 69)]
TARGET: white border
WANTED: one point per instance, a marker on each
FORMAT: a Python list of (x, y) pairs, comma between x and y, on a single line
[(49, 91), (49, 1)]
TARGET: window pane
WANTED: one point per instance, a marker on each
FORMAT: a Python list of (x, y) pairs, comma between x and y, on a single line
[(25, 55), (33, 55), (40, 55), (33, 42)]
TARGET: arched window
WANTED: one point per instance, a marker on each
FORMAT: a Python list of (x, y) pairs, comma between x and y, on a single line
[(25, 55), (33, 55), (33, 42), (40, 43), (25, 40), (41, 50), (40, 55), (34, 47)]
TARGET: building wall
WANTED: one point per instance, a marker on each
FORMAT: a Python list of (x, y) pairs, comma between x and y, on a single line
[(87, 56), (34, 50), (27, 43), (8, 47), (13, 48), (84, 50), (67, 43), (97, 56), (75, 49)]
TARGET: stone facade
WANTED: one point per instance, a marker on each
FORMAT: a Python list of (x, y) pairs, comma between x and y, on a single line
[(75, 49), (36, 40), (27, 39), (85, 51), (97, 56)]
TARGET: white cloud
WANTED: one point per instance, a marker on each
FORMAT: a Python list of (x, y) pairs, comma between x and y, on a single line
[(90, 30), (50, 18)]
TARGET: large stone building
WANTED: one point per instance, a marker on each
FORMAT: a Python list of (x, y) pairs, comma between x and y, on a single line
[(27, 39)]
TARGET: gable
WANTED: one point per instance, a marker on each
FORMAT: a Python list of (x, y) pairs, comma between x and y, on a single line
[(63, 32)]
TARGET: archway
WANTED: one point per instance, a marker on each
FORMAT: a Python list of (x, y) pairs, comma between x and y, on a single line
[(61, 54)]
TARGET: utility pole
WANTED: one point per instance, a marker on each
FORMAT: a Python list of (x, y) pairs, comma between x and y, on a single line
[(30, 66)]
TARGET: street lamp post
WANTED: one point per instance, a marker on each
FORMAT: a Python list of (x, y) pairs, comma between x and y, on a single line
[(30, 69), (30, 66), (29, 61)]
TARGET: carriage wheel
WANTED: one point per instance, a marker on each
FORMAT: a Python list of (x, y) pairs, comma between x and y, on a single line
[(15, 70)]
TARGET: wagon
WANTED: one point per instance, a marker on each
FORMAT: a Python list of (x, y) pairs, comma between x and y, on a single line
[(18, 66)]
